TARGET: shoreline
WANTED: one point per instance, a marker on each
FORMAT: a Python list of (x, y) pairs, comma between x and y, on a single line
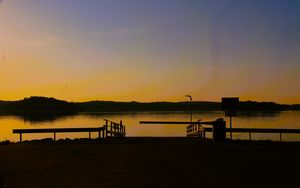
[(143, 139)]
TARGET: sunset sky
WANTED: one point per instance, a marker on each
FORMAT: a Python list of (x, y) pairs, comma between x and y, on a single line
[(150, 50)]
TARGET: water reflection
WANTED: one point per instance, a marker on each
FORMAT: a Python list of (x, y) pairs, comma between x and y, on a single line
[(251, 114), (271, 119), (34, 119), (39, 118), (52, 118)]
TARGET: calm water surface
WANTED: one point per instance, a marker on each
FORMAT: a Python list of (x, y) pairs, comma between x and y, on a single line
[(285, 119)]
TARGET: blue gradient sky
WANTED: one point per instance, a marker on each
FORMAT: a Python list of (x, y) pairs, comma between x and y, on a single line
[(150, 50)]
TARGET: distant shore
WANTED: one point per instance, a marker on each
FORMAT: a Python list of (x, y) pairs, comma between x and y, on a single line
[(46, 105), (146, 139), (149, 162)]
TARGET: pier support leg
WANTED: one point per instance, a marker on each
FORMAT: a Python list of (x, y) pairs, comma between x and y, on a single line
[(280, 137), (230, 119), (89, 135), (250, 136), (111, 129), (20, 137), (54, 136), (105, 131)]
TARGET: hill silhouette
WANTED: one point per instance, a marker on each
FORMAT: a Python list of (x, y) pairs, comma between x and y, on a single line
[(94, 106), (38, 105), (150, 106), (51, 106)]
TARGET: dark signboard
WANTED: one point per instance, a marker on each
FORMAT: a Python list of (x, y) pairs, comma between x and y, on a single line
[(230, 103)]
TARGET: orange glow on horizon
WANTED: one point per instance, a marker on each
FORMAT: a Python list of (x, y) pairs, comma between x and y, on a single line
[(47, 50)]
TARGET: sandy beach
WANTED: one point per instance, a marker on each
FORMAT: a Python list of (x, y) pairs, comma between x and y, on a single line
[(149, 162)]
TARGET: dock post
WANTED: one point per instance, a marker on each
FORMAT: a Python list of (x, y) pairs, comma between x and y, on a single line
[(89, 135), (54, 136), (250, 136), (99, 134), (106, 131), (280, 136), (200, 132), (230, 119), (111, 129), (121, 127), (20, 137)]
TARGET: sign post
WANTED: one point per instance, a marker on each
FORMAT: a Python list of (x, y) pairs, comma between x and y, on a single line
[(191, 110)]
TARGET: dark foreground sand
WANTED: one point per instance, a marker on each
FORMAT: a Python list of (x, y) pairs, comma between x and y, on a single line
[(149, 162)]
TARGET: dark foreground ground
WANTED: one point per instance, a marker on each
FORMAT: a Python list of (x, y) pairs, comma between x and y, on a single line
[(150, 162)]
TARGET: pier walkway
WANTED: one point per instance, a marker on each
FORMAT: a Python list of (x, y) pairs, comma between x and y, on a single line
[(196, 130), (110, 129)]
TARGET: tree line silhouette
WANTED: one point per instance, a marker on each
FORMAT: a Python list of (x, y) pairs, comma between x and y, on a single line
[(46, 105), (38, 105)]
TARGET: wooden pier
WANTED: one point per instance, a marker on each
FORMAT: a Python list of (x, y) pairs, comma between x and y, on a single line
[(109, 129), (219, 130), (196, 130)]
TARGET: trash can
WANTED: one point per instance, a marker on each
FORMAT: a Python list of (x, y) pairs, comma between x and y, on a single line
[(219, 130)]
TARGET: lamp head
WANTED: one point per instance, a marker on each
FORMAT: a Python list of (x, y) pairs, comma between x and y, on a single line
[(189, 97)]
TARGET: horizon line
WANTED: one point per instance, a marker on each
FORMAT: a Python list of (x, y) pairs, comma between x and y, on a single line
[(97, 100)]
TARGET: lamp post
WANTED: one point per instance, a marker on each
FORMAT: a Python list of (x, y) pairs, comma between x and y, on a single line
[(191, 112)]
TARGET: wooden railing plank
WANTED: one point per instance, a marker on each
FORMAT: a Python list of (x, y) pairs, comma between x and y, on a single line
[(114, 129), (96, 129), (178, 122), (257, 130)]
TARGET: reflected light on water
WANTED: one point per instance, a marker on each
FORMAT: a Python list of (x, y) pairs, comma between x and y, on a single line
[(285, 119)]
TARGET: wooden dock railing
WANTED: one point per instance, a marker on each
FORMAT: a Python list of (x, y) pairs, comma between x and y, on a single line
[(110, 129), (250, 131), (195, 129), (113, 129)]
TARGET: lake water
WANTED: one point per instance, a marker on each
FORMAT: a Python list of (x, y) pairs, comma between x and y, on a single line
[(284, 119)]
